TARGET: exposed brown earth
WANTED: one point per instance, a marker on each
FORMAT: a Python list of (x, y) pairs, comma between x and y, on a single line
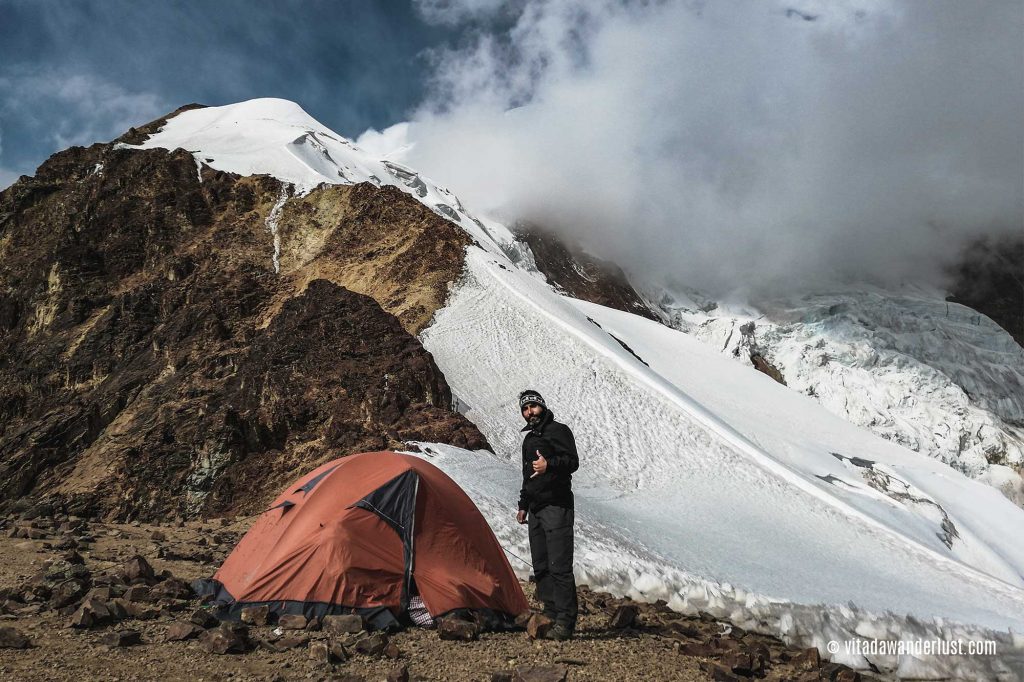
[(153, 362), (616, 639), (581, 275)]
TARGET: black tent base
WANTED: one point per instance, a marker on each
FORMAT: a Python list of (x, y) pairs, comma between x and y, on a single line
[(377, 618)]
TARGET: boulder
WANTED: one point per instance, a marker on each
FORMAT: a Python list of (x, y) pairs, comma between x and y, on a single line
[(808, 659), (624, 617), (228, 638), (137, 593), (255, 615), (371, 645), (137, 568), (291, 642), (719, 673), (292, 621), (339, 653), (122, 638), (91, 612), (538, 626), (456, 629), (171, 588), (203, 618), (320, 653), (343, 624), (181, 631), (12, 638), (66, 593), (837, 672), (739, 662)]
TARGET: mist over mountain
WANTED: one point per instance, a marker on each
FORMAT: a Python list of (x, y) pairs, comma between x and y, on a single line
[(744, 148)]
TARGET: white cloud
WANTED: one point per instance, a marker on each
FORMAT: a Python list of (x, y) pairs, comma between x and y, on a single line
[(741, 145)]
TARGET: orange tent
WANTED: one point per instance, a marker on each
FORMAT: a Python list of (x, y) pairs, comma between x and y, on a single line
[(363, 533)]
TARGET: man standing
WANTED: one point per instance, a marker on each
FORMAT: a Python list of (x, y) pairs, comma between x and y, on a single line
[(546, 501)]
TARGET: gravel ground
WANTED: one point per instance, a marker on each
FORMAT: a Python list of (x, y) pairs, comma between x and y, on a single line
[(650, 650)]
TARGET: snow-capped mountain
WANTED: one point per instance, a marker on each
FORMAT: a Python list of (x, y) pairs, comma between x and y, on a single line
[(702, 482)]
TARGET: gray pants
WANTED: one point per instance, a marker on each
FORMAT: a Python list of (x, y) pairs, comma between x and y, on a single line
[(551, 543)]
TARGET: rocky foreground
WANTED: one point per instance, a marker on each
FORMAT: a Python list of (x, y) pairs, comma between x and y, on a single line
[(81, 599)]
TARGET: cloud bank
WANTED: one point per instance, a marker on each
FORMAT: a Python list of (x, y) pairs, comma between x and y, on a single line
[(742, 147)]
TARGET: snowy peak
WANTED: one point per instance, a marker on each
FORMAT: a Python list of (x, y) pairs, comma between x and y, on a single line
[(276, 137)]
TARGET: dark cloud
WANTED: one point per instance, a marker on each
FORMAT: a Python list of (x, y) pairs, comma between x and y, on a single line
[(75, 72)]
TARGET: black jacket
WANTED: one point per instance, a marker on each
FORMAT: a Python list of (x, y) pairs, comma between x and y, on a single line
[(555, 442)]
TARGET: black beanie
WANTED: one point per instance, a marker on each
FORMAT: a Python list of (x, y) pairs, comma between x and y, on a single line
[(530, 396)]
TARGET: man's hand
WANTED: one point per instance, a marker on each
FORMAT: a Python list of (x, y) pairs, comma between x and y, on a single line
[(521, 516), (540, 465)]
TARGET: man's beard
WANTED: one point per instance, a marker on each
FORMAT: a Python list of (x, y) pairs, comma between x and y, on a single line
[(535, 419)]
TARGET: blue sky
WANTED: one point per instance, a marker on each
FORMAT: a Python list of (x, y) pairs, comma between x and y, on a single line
[(77, 72)]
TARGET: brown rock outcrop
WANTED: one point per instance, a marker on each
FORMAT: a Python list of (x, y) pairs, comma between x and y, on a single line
[(152, 361)]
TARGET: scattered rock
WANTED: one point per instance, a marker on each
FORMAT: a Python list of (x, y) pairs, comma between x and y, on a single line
[(719, 673), (158, 536), (338, 651), (684, 630), (540, 673), (172, 588), (697, 649), (256, 615), (137, 593), (122, 638), (538, 626), (228, 638), (740, 662), (624, 617), (391, 651), (137, 568), (91, 612), (203, 618), (343, 624), (291, 642), (66, 593), (457, 629), (320, 653), (371, 645), (292, 621), (837, 672), (181, 631), (12, 638), (808, 659)]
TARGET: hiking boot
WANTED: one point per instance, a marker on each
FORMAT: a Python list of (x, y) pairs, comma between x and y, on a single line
[(560, 633)]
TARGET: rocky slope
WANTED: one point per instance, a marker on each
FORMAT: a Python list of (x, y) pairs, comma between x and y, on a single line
[(176, 339)]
